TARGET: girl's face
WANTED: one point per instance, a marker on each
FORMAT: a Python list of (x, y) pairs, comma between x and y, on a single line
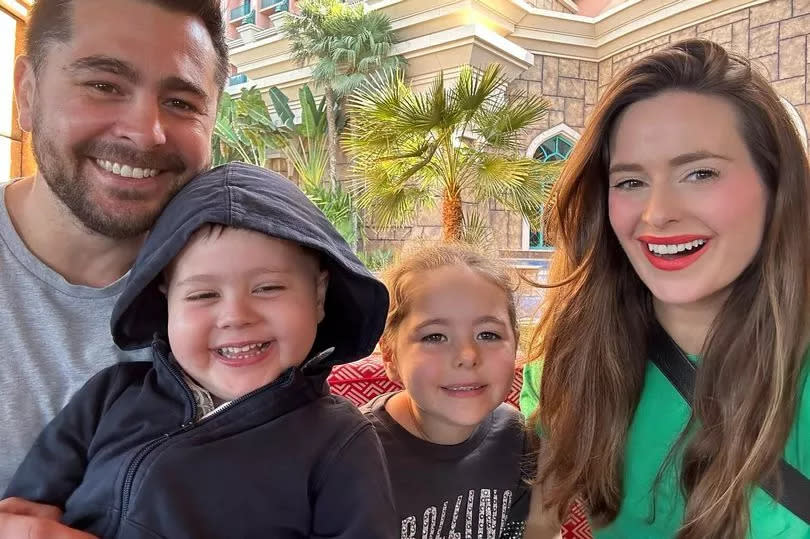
[(686, 201), (454, 351)]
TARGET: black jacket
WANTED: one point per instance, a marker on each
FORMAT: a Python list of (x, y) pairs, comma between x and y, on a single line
[(125, 457)]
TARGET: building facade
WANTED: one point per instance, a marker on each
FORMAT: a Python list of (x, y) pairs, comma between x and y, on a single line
[(564, 50), (15, 145)]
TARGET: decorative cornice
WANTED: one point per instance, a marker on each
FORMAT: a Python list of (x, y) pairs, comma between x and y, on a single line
[(18, 8)]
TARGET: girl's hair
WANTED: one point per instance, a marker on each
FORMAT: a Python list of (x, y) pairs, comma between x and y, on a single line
[(591, 335), (400, 276)]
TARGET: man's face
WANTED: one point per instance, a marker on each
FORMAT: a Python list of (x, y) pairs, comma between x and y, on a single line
[(122, 114)]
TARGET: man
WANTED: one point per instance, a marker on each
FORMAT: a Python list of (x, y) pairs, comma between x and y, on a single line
[(120, 96)]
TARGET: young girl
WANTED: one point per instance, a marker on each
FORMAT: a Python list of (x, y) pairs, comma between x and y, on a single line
[(454, 449), (681, 228)]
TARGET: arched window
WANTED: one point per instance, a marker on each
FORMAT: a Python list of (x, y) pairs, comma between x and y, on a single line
[(556, 148)]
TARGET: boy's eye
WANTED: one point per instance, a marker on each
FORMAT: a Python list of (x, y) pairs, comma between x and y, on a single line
[(434, 338), (268, 288), (198, 296), (488, 336)]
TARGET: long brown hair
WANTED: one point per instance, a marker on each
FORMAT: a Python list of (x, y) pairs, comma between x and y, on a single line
[(591, 335)]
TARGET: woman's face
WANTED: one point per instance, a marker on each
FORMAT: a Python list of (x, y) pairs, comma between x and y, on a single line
[(685, 199)]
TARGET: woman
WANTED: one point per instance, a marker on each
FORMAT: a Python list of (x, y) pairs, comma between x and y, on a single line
[(684, 206)]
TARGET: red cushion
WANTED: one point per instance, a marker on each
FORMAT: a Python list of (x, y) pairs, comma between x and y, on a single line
[(363, 380)]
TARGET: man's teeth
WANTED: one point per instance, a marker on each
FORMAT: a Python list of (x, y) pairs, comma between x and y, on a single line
[(250, 349), (127, 171), (672, 249)]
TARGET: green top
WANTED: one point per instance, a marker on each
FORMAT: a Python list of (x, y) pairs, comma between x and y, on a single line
[(660, 417)]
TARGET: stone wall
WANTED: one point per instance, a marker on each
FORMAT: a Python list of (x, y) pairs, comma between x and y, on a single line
[(776, 35)]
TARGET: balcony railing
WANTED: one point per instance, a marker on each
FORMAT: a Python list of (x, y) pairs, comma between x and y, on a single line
[(239, 78), (240, 11), (283, 5)]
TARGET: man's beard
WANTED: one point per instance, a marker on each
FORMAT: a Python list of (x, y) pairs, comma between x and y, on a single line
[(64, 177)]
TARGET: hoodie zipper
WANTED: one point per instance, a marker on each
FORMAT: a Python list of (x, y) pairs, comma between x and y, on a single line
[(142, 453)]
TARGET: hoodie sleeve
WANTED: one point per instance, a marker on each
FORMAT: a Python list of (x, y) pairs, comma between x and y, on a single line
[(355, 497), (56, 463)]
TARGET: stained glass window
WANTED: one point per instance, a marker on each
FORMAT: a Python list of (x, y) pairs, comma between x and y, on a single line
[(557, 148)]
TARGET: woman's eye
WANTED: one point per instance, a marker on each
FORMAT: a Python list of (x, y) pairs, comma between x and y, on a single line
[(434, 338), (628, 185), (488, 336), (703, 174)]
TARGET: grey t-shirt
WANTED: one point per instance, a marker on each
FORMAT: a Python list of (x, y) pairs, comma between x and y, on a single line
[(53, 337), (475, 489)]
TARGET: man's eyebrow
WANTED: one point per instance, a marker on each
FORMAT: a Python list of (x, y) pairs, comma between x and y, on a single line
[(107, 64), (179, 84)]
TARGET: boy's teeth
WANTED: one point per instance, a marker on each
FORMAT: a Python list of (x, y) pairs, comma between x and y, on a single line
[(671, 249), (236, 350), (127, 171)]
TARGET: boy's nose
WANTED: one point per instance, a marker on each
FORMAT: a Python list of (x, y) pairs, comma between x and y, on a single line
[(236, 314)]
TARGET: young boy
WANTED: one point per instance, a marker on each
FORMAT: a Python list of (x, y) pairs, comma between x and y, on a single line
[(230, 431)]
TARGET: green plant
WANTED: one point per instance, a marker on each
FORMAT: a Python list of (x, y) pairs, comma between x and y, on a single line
[(243, 130), (345, 45), (409, 150), (377, 259)]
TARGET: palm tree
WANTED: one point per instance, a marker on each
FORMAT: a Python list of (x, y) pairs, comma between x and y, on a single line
[(347, 45), (411, 149)]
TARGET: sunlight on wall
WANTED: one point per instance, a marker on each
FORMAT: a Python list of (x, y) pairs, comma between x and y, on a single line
[(8, 27)]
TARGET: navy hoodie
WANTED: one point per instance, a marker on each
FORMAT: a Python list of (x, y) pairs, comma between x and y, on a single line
[(125, 458)]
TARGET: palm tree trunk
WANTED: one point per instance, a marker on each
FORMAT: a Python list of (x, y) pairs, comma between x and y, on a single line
[(452, 217), (331, 136)]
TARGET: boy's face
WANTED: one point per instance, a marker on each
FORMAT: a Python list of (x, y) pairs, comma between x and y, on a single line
[(243, 307)]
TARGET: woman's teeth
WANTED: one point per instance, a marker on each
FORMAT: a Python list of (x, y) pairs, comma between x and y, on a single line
[(127, 171), (671, 249)]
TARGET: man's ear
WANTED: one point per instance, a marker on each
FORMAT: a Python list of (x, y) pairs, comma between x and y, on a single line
[(24, 90), (322, 285), (389, 361)]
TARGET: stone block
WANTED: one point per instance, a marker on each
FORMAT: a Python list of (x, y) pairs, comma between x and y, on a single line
[(764, 40), (791, 89), (556, 103), (768, 65), (572, 87), (569, 68), (550, 75), (720, 35), (555, 118), (723, 20), (535, 88), (587, 113), (773, 11), (800, 7), (590, 92), (605, 71), (797, 26), (575, 112), (739, 37), (792, 54), (626, 54), (589, 70)]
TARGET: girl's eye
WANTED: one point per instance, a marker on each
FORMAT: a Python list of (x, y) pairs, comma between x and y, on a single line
[(703, 174), (434, 338), (201, 296), (628, 185), (488, 336)]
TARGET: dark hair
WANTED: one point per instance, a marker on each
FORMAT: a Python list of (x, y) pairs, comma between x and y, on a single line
[(591, 336), (50, 22)]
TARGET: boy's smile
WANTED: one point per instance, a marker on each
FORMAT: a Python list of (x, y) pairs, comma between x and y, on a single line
[(243, 308)]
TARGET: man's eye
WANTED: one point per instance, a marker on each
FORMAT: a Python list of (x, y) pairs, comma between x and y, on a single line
[(181, 105), (104, 87)]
